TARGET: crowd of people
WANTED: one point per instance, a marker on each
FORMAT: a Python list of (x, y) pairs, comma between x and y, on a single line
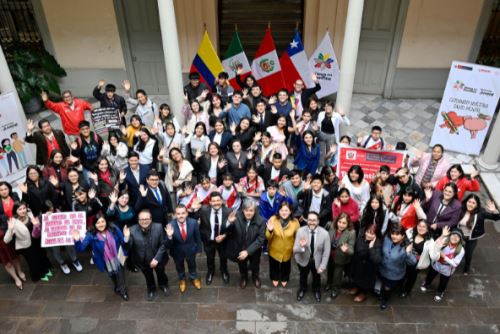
[(219, 182)]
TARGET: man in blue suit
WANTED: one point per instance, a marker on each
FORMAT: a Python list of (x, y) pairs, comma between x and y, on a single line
[(184, 241), (133, 176)]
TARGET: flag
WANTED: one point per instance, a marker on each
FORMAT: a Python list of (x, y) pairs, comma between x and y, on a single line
[(294, 64), (206, 62), (266, 66), (235, 58), (324, 63)]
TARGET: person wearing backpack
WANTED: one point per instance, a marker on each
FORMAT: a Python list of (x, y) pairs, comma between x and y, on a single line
[(87, 147)]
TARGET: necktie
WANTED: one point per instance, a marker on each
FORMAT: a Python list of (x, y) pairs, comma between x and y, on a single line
[(216, 223), (183, 231), (157, 195), (262, 119), (312, 244)]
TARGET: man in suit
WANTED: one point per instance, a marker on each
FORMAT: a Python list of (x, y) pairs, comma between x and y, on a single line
[(314, 198), (184, 241), (311, 251), (213, 230), (145, 243), (46, 140), (264, 117), (155, 197), (133, 176), (277, 171), (245, 240)]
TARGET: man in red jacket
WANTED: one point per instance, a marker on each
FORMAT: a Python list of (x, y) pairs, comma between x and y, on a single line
[(71, 111)]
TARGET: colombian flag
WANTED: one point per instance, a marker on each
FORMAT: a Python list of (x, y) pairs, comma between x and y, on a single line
[(206, 62)]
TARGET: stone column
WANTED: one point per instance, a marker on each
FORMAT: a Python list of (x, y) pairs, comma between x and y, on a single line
[(489, 159), (349, 54), (171, 52)]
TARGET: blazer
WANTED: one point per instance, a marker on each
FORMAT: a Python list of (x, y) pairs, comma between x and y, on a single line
[(159, 211), (281, 241), (180, 249), (240, 238), (265, 172), (131, 184), (233, 165), (97, 246), (305, 198), (365, 262), (204, 164), (144, 246), (270, 119), (205, 228), (321, 251), (448, 217), (36, 196), (478, 223), (225, 140), (307, 93), (42, 150), (346, 237)]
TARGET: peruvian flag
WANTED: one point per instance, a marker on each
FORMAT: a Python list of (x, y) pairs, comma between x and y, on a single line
[(295, 65), (234, 59), (266, 66)]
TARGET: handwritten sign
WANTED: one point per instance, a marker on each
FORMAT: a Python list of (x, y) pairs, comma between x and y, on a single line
[(105, 119), (57, 228)]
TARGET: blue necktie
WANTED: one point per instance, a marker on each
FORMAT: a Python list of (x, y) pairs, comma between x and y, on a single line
[(157, 195)]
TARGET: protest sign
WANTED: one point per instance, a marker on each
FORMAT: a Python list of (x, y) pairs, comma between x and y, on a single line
[(57, 228), (469, 102), (370, 161), (105, 119)]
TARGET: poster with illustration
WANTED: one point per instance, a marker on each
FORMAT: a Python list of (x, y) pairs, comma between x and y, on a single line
[(15, 155), (469, 102)]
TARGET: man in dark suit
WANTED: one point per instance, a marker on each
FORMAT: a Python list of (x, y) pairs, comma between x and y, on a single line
[(145, 243), (184, 241), (46, 140), (277, 171), (213, 229), (154, 197), (133, 176), (314, 198), (264, 117), (245, 240)]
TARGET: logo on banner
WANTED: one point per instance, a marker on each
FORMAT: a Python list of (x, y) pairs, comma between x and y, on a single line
[(460, 85), (323, 61), (350, 155), (475, 124), (463, 67), (266, 65)]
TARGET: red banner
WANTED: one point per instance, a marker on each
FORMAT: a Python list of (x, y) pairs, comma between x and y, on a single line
[(370, 161)]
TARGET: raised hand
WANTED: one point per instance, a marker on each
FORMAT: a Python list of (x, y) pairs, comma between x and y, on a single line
[(474, 174), (35, 221), (272, 100), (344, 247), (44, 96), (30, 125), (73, 145), (123, 129), (101, 83), (11, 223), (184, 130), (76, 235), (198, 154), (307, 184), (126, 232), (274, 110), (428, 193), (270, 226), (336, 202), (446, 231), (490, 206), (143, 190), (169, 230), (93, 176), (23, 187), (54, 181), (222, 163), (257, 137), (333, 149), (205, 93), (231, 218), (303, 242), (314, 77), (233, 128), (417, 204), (92, 193), (409, 248), (126, 85), (113, 197), (372, 243), (123, 175)]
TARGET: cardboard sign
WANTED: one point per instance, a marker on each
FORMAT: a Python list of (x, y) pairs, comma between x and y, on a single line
[(105, 119), (58, 227)]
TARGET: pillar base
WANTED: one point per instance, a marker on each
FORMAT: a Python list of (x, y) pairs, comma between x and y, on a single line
[(487, 166)]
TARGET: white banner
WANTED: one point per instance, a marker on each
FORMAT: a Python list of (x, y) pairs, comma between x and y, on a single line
[(324, 63), (15, 155), (467, 108)]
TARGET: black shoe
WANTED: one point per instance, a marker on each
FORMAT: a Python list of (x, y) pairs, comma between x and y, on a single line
[(165, 289), (243, 282), (124, 296), (256, 281), (151, 296), (317, 296), (225, 277), (403, 295), (334, 294), (383, 305), (209, 278), (300, 295)]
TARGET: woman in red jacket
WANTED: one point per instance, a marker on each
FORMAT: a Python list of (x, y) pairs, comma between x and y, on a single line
[(406, 210), (345, 203), (456, 175)]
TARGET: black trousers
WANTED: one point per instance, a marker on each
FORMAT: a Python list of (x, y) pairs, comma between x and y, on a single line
[(150, 278), (304, 273), (118, 279), (211, 248), (279, 271), (410, 278), (252, 262), (470, 245), (443, 280), (181, 269)]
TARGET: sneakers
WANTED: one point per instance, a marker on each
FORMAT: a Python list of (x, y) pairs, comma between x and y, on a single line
[(438, 297), (77, 266), (65, 269), (91, 261), (424, 288)]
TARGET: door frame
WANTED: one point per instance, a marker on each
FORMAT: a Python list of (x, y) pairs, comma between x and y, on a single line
[(125, 42), (395, 48)]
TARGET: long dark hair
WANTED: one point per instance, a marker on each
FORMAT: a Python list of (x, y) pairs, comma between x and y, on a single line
[(118, 139), (407, 191), (470, 221), (142, 144), (370, 215), (427, 236), (459, 168), (40, 176), (358, 170), (109, 225), (51, 163), (5, 183)]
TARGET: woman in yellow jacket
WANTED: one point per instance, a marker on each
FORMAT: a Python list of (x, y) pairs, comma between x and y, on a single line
[(280, 234)]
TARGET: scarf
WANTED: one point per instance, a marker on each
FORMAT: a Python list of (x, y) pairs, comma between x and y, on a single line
[(429, 172), (106, 177), (110, 253)]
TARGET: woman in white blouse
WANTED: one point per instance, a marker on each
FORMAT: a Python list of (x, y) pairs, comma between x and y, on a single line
[(358, 187)]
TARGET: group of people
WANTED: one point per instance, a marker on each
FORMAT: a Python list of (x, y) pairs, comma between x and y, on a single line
[(220, 183)]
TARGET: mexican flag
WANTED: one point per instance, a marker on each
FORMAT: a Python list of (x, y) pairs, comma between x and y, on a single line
[(235, 58), (266, 66)]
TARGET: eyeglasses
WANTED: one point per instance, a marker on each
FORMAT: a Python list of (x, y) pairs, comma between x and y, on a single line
[(144, 219)]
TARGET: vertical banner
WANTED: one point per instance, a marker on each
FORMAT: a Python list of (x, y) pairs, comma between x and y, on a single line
[(15, 155), (469, 102), (324, 63), (57, 228)]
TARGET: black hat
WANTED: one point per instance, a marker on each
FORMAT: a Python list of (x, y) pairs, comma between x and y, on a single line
[(458, 232), (110, 88)]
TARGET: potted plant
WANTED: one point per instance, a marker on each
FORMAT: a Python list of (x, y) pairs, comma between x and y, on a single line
[(34, 71)]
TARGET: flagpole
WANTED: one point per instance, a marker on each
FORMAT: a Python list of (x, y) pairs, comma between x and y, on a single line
[(236, 27)]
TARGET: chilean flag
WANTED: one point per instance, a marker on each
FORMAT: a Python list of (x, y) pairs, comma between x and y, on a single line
[(294, 64)]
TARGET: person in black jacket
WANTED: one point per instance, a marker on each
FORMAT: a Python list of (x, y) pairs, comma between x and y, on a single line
[(87, 148), (110, 99), (212, 164), (314, 198), (196, 90), (472, 224), (264, 117), (404, 180), (277, 171), (37, 190), (300, 96), (245, 240), (145, 243), (213, 230), (45, 140), (155, 197)]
